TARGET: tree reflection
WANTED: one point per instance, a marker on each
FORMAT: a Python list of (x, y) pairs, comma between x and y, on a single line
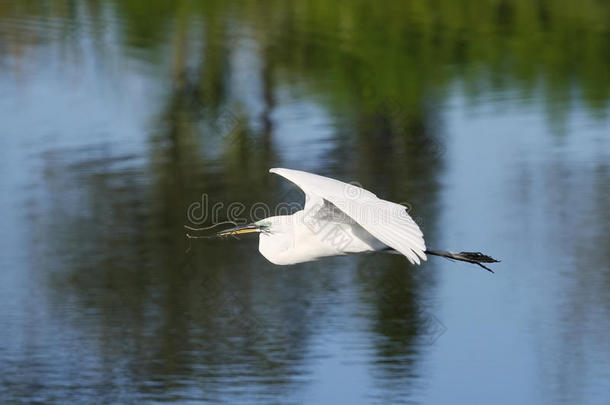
[(381, 72)]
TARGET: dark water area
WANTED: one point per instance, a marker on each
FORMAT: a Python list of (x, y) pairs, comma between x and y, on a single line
[(490, 120)]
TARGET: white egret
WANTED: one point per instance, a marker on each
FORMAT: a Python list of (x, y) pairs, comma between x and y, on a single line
[(338, 219)]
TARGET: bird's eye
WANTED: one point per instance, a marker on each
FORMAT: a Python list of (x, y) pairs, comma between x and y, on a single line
[(264, 226)]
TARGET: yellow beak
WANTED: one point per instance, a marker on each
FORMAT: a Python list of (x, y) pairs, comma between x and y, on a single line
[(238, 230)]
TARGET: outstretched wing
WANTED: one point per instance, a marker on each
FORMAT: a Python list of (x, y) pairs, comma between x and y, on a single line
[(385, 220)]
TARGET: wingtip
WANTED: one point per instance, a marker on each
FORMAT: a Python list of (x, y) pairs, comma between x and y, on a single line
[(277, 170), (413, 257)]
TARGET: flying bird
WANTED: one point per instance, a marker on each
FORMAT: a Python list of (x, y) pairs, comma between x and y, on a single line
[(338, 219)]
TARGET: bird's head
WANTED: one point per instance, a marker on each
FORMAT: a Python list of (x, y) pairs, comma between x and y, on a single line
[(276, 240)]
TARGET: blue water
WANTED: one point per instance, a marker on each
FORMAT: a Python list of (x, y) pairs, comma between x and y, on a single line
[(110, 131)]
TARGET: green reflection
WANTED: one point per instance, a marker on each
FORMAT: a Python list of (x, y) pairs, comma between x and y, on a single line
[(380, 70), (407, 51)]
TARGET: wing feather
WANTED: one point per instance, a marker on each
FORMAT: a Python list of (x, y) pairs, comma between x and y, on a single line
[(387, 221)]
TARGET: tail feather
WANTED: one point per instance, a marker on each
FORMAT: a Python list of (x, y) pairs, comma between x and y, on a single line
[(477, 258)]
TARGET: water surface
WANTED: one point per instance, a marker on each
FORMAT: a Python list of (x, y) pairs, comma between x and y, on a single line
[(490, 120)]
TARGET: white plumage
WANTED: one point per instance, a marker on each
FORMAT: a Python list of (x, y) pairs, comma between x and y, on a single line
[(373, 223)]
